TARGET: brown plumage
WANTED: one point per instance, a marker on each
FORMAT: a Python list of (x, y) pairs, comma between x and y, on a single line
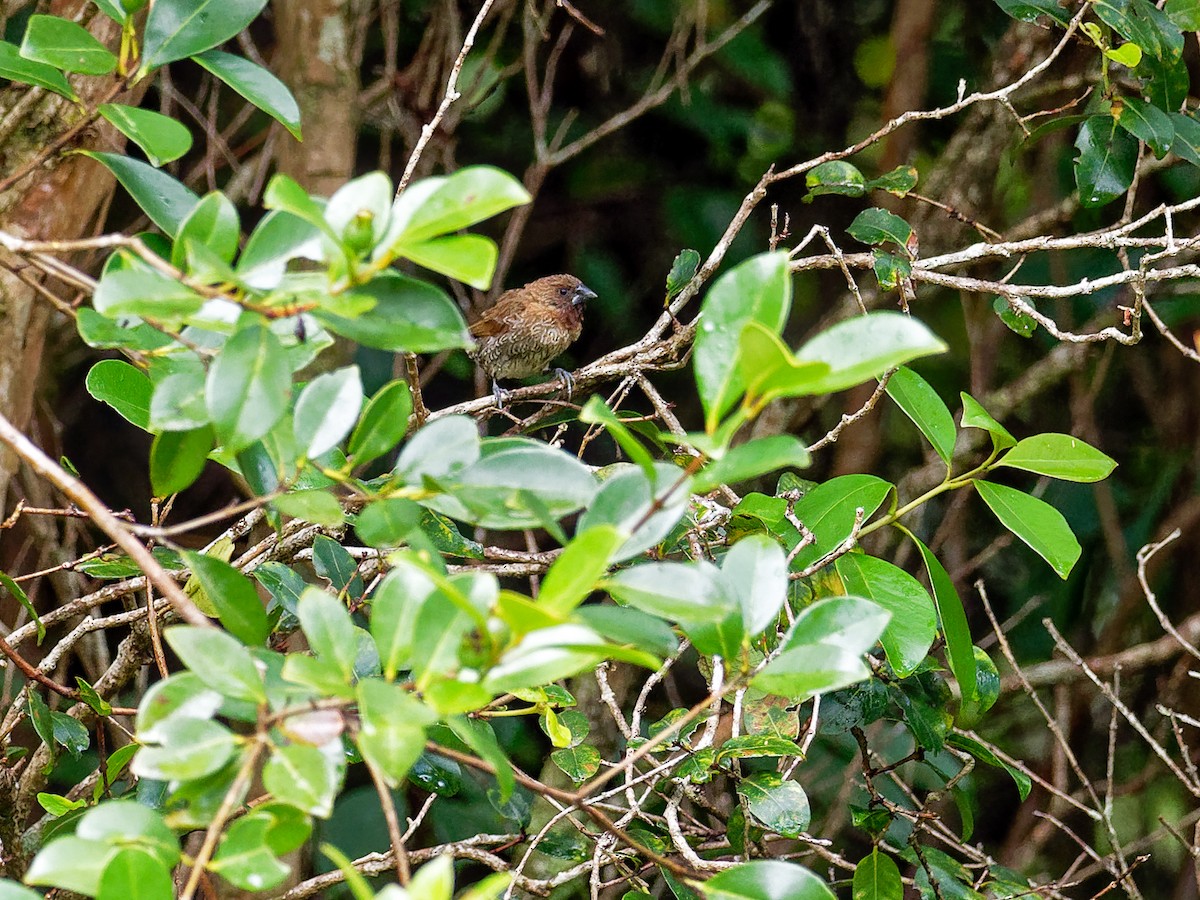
[(529, 326)]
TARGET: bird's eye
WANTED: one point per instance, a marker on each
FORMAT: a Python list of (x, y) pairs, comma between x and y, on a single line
[(562, 291)]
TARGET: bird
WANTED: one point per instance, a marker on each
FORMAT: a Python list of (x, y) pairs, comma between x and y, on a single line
[(527, 327)]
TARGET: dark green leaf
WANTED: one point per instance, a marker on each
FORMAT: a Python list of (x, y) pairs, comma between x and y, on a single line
[(1017, 321), (164, 199), (899, 181), (17, 68), (683, 270), (177, 458), (123, 387), (1107, 157), (577, 763), (1029, 10), (21, 597), (959, 650), (1037, 523), (891, 271), (1059, 456), (248, 387), (828, 511), (1146, 122), (330, 632), (878, 226), (767, 879), (876, 877), (835, 177), (1187, 138), (65, 45), (913, 625), (921, 403), (1184, 13), (176, 29), (214, 223), (780, 806), (383, 423), (234, 597), (408, 315), (752, 459), (256, 84), (393, 727), (134, 874), (161, 138)]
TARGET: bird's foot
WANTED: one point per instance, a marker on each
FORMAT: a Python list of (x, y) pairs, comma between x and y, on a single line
[(500, 394), (568, 379)]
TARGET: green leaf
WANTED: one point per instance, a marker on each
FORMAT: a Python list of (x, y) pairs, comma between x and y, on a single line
[(828, 511), (144, 293), (683, 270), (1037, 523), (577, 763), (1029, 10), (330, 632), (256, 84), (878, 226), (1059, 456), (333, 561), (632, 627), (754, 572), (629, 500), (984, 693), (469, 258), (1106, 161), (176, 29), (183, 748), (983, 754), (867, 346), (317, 506), (245, 858), (766, 879), (1187, 138), (975, 416), (234, 597), (104, 334), (135, 875), (304, 777), (770, 371), (15, 589), (88, 695), (549, 654), (1146, 122), (913, 626), (921, 403), (10, 890), (388, 522), (327, 409), (897, 182), (673, 590), (834, 177), (164, 199), (891, 271), (248, 387), (71, 863), (574, 574), (161, 138), (214, 223), (959, 650), (65, 45), (408, 315), (15, 67), (393, 727), (779, 806), (757, 290), (1184, 13), (123, 387), (383, 423), (225, 665), (1017, 321), (177, 458), (451, 203), (877, 877), (752, 459), (1144, 24), (1128, 55)]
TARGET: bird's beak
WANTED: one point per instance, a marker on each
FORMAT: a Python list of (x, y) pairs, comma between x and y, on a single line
[(583, 293)]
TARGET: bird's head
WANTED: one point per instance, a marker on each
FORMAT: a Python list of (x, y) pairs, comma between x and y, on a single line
[(563, 289)]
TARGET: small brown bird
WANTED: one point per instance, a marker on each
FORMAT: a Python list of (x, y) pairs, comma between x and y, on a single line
[(529, 326)]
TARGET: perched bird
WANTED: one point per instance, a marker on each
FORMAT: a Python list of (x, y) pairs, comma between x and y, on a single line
[(529, 326)]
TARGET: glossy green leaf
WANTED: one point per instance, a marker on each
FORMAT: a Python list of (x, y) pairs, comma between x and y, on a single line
[(770, 371), (877, 877), (891, 271), (955, 629), (574, 574), (453, 202), (334, 562), (757, 290), (103, 333), (164, 199), (921, 403), (256, 84), (469, 258), (176, 29), (223, 662), (628, 500), (766, 879), (135, 875), (1037, 523), (65, 45), (878, 226), (867, 346), (161, 138), (898, 182), (317, 506), (214, 223), (1059, 456), (15, 67), (183, 748), (1184, 13), (1017, 321), (248, 387), (673, 590), (71, 863), (778, 805), (144, 293), (328, 628), (123, 387), (1146, 122), (1187, 138), (408, 315), (754, 572), (828, 511), (983, 754), (383, 423), (1106, 161), (975, 416), (244, 857), (21, 597), (577, 763), (327, 409), (549, 654), (304, 777), (683, 270), (626, 625), (752, 459), (234, 597), (913, 626), (834, 177), (983, 696), (177, 458), (1141, 22), (1029, 10), (393, 727), (1128, 55)]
